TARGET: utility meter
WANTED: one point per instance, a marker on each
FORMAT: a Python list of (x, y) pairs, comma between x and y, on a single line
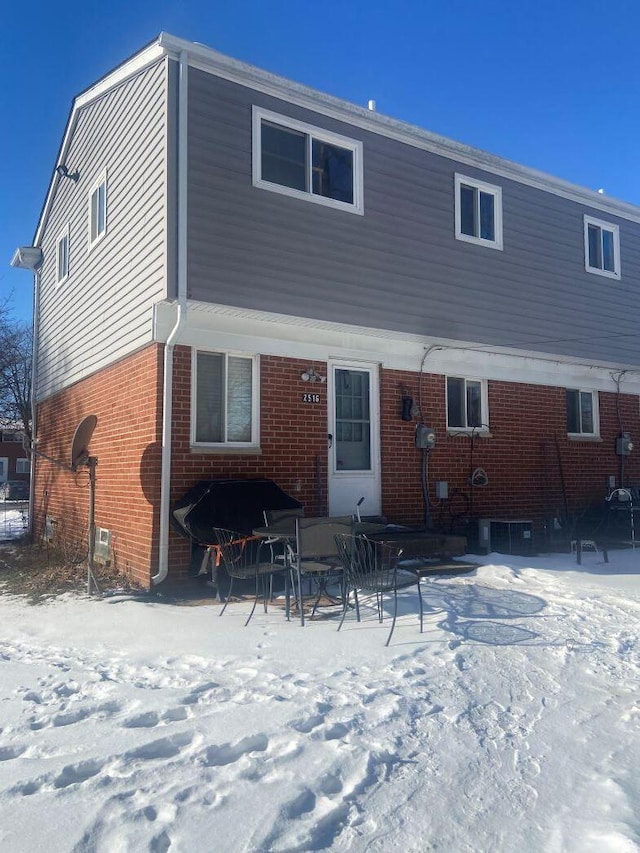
[(624, 445), (425, 437)]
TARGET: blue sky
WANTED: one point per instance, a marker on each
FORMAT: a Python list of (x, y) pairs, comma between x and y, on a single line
[(551, 84)]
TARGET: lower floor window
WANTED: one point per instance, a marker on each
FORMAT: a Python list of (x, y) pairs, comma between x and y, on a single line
[(22, 466), (466, 403), (225, 399), (582, 412)]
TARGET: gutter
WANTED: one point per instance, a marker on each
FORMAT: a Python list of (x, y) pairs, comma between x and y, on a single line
[(167, 390)]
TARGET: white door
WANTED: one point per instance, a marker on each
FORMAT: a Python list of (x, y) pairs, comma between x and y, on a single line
[(354, 438)]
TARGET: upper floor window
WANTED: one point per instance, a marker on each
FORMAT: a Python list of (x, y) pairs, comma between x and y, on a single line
[(299, 160), (582, 412), (601, 247), (62, 256), (466, 404), (224, 399), (98, 210), (22, 466), (478, 212)]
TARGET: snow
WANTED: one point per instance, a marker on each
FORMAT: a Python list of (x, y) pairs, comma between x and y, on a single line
[(510, 724), (13, 522)]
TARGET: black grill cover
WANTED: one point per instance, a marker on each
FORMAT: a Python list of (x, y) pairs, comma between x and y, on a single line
[(234, 504)]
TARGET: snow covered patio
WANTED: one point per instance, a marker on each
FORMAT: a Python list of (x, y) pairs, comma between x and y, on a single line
[(512, 723)]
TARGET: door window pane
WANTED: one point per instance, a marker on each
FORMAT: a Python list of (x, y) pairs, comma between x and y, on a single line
[(353, 423)]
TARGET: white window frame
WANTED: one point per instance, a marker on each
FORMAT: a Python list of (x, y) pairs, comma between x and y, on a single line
[(595, 406), (483, 429), (255, 401), (102, 180), (312, 132), (62, 241), (26, 466), (491, 189), (615, 231)]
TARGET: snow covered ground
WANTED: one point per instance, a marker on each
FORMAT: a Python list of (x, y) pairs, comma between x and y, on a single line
[(511, 724), (13, 520)]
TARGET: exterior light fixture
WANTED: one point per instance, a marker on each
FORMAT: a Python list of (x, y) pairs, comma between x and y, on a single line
[(64, 172), (311, 376)]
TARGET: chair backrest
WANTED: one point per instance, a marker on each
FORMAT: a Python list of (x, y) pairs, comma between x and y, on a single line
[(316, 536), (282, 516), (236, 551), (367, 564)]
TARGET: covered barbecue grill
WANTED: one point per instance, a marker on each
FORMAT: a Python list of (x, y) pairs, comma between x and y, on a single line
[(233, 504)]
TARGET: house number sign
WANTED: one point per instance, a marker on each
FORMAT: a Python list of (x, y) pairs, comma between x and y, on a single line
[(311, 398)]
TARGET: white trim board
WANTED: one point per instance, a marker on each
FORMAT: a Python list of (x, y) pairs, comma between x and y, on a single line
[(223, 327)]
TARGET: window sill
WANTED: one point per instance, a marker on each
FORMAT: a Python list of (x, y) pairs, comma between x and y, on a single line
[(606, 273), (479, 241), (590, 439), (452, 432), (220, 449)]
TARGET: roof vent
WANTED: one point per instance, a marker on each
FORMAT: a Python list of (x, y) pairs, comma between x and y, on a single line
[(372, 106)]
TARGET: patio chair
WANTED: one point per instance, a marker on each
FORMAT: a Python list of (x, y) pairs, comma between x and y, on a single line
[(316, 553), (372, 567), (240, 556)]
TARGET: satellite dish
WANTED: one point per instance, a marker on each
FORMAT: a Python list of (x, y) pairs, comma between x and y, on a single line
[(81, 440)]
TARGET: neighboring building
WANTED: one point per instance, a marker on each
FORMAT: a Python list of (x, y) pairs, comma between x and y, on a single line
[(216, 238), (14, 464)]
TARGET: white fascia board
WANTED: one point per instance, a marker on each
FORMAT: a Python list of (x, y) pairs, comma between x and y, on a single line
[(213, 62), (119, 75), (210, 325)]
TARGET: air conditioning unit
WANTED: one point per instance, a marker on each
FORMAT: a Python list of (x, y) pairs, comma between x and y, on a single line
[(506, 536)]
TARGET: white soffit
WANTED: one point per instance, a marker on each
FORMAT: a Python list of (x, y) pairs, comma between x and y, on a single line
[(225, 327)]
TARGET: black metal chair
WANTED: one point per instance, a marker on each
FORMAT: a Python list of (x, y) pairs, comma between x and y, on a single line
[(316, 553), (372, 567), (239, 554)]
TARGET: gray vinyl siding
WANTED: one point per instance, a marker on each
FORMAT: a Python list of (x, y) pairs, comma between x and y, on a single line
[(398, 267), (103, 311)]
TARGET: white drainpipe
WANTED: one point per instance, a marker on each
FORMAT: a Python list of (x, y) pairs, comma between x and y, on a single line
[(167, 391)]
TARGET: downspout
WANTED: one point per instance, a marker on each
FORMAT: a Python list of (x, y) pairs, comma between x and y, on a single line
[(34, 407), (167, 390)]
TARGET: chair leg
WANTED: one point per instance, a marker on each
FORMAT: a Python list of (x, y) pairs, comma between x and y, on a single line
[(226, 601), (255, 601), (395, 613), (421, 605), (345, 606), (299, 596)]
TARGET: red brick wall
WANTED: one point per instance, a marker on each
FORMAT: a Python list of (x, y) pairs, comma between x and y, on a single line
[(293, 441), (532, 466), (126, 400)]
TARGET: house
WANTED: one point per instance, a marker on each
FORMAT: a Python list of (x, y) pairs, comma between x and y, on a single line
[(14, 464), (243, 277)]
